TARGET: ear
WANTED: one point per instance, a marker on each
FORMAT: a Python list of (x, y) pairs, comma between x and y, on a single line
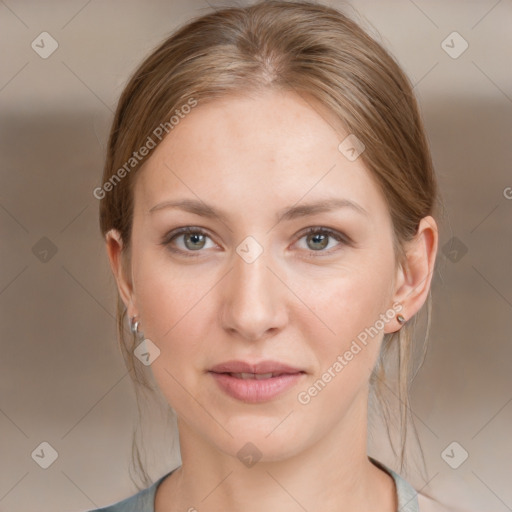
[(415, 275), (118, 263)]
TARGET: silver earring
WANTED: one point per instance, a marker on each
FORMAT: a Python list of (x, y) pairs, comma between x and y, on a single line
[(401, 319), (134, 325)]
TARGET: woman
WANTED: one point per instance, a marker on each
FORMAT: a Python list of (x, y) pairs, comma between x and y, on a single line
[(268, 205)]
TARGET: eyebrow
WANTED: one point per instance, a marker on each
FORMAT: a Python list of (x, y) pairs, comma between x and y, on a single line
[(289, 213)]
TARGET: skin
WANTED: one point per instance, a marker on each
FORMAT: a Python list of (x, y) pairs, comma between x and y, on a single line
[(253, 157)]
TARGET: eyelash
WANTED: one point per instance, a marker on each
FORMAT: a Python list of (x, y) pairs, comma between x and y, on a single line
[(339, 237)]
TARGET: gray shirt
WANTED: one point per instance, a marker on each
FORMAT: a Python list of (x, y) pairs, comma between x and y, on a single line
[(144, 501)]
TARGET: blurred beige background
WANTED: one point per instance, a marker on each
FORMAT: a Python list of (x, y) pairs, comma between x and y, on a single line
[(62, 380)]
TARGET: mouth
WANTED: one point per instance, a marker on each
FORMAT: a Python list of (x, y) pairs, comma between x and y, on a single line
[(260, 370), (257, 376), (256, 386)]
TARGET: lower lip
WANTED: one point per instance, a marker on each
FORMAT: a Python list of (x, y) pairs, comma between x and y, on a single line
[(253, 390)]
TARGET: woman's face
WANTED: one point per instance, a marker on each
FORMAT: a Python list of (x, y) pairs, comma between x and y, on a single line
[(251, 284)]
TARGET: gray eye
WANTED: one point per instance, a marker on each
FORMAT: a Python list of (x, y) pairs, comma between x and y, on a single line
[(194, 241), (318, 241)]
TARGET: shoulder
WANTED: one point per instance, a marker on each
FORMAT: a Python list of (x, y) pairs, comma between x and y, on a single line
[(143, 501), (407, 497), (427, 504), (410, 500)]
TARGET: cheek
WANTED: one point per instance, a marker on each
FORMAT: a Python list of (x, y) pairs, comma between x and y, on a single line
[(168, 295), (173, 310), (345, 359), (345, 307), (177, 313)]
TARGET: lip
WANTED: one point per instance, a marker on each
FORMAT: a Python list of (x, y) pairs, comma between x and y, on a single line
[(255, 390), (268, 366)]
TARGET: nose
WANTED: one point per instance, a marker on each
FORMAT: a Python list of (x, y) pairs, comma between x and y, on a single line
[(253, 299)]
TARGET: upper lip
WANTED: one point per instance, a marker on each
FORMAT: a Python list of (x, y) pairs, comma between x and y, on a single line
[(261, 367)]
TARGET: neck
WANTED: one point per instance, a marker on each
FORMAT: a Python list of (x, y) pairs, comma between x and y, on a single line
[(333, 472)]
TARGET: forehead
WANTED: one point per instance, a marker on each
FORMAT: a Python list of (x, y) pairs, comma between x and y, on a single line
[(272, 147)]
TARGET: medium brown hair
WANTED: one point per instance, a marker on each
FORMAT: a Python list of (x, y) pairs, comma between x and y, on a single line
[(317, 52)]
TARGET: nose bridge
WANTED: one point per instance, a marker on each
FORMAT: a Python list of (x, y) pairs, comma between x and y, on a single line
[(253, 303), (252, 278)]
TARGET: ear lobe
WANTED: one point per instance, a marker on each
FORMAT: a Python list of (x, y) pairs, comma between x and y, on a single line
[(415, 276), (114, 245)]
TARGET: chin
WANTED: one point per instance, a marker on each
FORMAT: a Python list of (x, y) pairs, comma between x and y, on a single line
[(266, 440)]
